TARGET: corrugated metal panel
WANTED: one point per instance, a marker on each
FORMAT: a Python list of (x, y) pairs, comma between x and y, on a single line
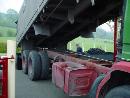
[(28, 14)]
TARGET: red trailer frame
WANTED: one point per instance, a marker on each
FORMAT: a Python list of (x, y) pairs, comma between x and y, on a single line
[(4, 63)]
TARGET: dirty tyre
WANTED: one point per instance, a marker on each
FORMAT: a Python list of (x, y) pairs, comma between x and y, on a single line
[(18, 62), (34, 66), (25, 54), (119, 92), (44, 64)]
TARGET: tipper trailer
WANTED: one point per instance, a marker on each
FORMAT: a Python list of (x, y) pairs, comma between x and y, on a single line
[(46, 26)]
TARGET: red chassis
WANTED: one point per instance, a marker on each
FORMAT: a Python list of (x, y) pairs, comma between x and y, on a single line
[(116, 73)]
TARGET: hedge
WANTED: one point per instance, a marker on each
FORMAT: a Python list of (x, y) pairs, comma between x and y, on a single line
[(3, 47)]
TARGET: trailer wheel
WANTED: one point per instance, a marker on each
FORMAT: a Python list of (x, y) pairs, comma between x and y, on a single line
[(45, 64), (119, 92), (18, 62), (34, 66), (25, 54)]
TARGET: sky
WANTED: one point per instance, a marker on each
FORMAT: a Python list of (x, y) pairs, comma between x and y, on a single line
[(106, 27), (13, 4)]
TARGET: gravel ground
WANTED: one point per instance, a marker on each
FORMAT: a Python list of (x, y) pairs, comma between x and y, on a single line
[(39, 89)]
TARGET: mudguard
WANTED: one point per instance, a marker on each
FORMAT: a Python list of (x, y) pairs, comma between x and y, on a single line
[(120, 66)]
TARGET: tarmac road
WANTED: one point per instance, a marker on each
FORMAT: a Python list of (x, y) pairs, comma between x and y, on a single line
[(38, 89)]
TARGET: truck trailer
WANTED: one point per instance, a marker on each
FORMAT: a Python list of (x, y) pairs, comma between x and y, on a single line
[(45, 27)]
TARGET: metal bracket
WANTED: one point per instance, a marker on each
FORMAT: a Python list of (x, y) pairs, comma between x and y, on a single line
[(41, 29), (71, 16), (77, 1), (93, 2)]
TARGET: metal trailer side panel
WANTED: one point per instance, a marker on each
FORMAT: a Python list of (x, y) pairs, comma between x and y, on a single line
[(28, 14)]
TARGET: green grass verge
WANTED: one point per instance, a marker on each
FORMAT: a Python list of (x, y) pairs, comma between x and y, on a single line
[(87, 43), (3, 47), (7, 31), (3, 43), (4, 39)]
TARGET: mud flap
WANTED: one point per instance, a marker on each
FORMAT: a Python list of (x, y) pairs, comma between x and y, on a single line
[(93, 90)]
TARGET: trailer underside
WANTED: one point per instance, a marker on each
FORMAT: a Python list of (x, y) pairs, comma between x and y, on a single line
[(68, 19), (86, 19)]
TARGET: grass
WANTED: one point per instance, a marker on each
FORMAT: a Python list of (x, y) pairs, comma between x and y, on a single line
[(4, 39), (3, 47), (87, 43), (3, 44), (2, 54), (4, 33), (7, 31)]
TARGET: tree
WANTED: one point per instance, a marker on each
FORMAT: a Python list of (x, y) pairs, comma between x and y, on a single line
[(12, 11), (12, 17), (8, 19)]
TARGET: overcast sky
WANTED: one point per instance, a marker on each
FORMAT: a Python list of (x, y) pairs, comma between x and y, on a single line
[(13, 4)]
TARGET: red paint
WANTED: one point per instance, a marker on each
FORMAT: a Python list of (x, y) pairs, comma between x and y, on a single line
[(99, 69), (115, 39), (75, 79), (78, 82), (58, 74), (121, 66), (97, 65), (4, 62)]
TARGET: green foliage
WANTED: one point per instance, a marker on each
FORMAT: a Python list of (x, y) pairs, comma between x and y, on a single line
[(3, 47), (12, 11), (7, 23), (4, 39), (18, 50), (8, 19), (7, 32), (3, 43)]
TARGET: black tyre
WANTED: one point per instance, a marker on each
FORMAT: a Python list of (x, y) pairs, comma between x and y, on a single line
[(34, 66), (18, 62), (25, 54), (119, 92), (45, 64)]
